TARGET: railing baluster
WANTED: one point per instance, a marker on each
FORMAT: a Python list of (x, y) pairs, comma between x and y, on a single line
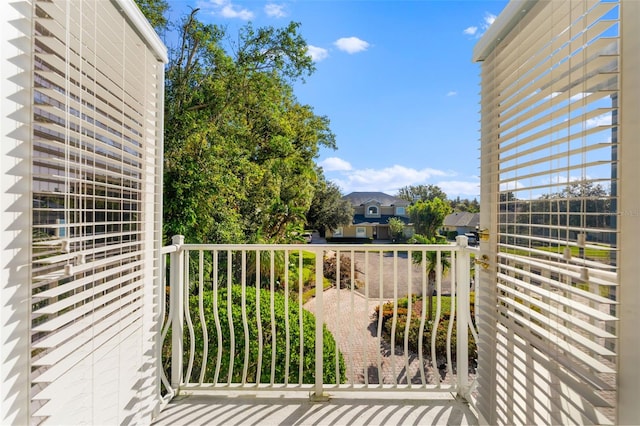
[(216, 315), (453, 312), (366, 296), (287, 358), (176, 308), (338, 310), (435, 320), (232, 334), (408, 323), (300, 316), (165, 319), (381, 311), (192, 336), (394, 322), (272, 311), (245, 323), (352, 319), (319, 322), (203, 321), (258, 319), (423, 316)]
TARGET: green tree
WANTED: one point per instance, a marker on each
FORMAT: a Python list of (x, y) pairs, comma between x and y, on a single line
[(421, 193), (427, 216), (239, 148), (155, 11), (396, 226), (328, 210), (465, 205)]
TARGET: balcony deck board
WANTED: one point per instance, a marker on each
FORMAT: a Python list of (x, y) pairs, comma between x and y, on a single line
[(295, 408)]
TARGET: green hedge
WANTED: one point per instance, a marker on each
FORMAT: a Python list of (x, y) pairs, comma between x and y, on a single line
[(308, 337)]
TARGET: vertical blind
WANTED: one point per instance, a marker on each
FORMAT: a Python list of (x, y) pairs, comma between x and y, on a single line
[(96, 155), (549, 106)]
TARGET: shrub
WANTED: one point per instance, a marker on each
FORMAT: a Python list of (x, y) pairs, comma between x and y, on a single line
[(234, 363), (414, 327), (330, 266)]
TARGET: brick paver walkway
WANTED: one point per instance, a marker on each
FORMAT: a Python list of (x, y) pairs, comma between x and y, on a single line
[(350, 318)]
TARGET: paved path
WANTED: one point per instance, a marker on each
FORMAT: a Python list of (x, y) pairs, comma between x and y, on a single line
[(350, 318), (402, 269)]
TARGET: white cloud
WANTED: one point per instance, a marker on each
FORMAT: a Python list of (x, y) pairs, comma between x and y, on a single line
[(275, 10), (477, 31), (454, 188), (317, 53), (601, 120), (452, 93), (388, 179), (227, 9), (512, 185), (335, 164), (232, 11), (470, 30), (489, 18), (351, 45)]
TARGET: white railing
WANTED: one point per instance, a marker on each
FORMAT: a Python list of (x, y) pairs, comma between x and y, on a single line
[(237, 313)]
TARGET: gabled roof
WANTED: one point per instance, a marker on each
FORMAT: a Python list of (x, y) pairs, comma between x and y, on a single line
[(462, 219), (362, 198)]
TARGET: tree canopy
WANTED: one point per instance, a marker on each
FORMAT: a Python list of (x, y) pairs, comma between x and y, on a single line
[(328, 209), (239, 147), (428, 216), (155, 11), (421, 193)]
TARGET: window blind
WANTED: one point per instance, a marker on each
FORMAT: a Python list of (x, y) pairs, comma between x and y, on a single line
[(96, 185), (549, 105)]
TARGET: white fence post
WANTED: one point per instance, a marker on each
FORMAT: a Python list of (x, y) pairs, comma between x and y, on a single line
[(319, 311), (463, 265), (176, 302)]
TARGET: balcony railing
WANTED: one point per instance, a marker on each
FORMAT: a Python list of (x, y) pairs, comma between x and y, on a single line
[(318, 317)]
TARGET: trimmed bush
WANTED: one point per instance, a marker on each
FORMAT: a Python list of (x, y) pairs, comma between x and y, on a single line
[(233, 364), (414, 327)]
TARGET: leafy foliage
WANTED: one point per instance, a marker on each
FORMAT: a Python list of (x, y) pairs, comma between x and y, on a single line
[(465, 205), (328, 209), (259, 368), (402, 316), (155, 12), (428, 216), (239, 148), (396, 226), (421, 193), (330, 268)]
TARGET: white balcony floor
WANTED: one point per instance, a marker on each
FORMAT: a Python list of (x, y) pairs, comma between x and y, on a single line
[(295, 408)]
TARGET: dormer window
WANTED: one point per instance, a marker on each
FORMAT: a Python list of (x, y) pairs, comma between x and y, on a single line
[(372, 211)]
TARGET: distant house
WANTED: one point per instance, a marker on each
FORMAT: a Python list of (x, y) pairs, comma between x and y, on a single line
[(372, 211), (461, 222)]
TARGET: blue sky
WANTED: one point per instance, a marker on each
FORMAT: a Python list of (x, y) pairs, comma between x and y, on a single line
[(394, 77)]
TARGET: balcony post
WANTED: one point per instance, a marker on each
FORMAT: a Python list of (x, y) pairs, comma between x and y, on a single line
[(176, 307), (318, 394), (463, 265)]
